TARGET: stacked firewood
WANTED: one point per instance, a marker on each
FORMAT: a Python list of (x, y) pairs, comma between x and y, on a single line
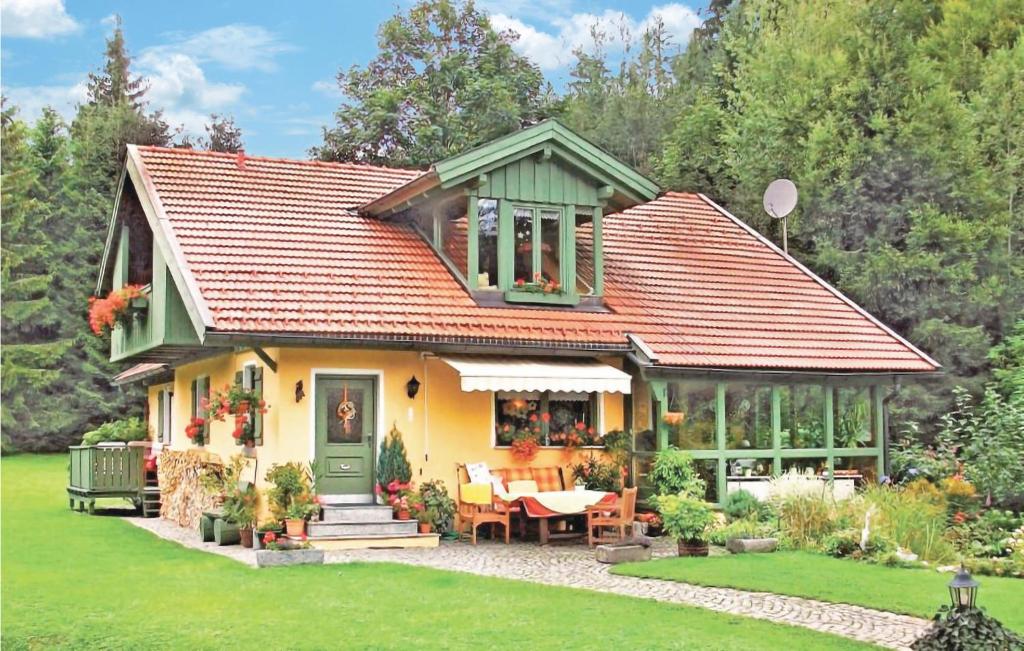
[(183, 498)]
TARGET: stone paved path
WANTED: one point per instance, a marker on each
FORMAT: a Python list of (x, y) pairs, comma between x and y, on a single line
[(574, 566)]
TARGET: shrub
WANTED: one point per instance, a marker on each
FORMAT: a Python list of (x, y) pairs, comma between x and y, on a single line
[(743, 528), (804, 520), (1012, 567), (673, 473), (967, 630), (925, 490), (685, 518), (846, 542), (961, 497), (124, 430), (742, 504)]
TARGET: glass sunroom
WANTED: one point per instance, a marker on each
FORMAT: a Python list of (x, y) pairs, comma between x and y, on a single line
[(741, 431)]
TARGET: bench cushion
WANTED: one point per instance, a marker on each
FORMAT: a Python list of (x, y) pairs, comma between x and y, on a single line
[(548, 478)]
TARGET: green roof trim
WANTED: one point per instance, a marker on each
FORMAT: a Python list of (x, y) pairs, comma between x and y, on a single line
[(549, 136)]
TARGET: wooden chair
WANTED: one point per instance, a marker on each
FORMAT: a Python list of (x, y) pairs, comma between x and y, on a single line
[(618, 516), (476, 511)]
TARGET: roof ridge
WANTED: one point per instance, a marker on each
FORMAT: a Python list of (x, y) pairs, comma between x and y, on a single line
[(182, 151)]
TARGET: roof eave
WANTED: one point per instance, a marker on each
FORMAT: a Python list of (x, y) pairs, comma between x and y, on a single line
[(402, 195)]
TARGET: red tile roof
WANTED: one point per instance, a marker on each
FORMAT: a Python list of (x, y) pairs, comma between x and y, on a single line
[(276, 246)]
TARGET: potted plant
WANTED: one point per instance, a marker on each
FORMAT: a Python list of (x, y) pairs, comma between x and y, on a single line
[(273, 527), (301, 508), (394, 473), (240, 507), (687, 520), (426, 519), (673, 473), (285, 551), (525, 444), (401, 506), (650, 524), (435, 498)]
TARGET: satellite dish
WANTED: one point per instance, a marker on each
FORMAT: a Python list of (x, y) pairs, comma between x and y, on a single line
[(780, 198), (779, 201)]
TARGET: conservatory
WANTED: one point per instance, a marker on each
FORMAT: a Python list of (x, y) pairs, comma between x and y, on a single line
[(743, 430)]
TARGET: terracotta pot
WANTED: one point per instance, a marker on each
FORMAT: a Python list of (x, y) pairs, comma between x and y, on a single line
[(245, 533), (692, 548), (424, 527), (403, 515), (295, 527)]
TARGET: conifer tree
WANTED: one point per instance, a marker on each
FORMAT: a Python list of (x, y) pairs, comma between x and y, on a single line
[(32, 349)]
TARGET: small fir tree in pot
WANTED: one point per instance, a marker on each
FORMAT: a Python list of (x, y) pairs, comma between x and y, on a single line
[(393, 470)]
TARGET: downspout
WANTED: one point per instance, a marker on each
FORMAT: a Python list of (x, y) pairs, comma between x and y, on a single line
[(887, 464), (426, 410)]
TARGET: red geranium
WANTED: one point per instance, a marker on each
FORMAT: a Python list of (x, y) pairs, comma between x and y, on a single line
[(105, 313)]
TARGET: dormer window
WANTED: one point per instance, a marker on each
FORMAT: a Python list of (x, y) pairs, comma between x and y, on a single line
[(518, 220)]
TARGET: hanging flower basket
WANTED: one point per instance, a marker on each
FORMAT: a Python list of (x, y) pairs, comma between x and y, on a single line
[(116, 308), (525, 446), (196, 430), (239, 403)]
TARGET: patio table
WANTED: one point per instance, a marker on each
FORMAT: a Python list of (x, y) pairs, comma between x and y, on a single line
[(544, 506)]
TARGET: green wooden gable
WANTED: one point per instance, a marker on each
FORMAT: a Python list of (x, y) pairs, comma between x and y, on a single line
[(548, 163), (164, 329)]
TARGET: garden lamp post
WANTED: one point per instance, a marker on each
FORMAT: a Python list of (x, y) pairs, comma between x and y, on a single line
[(963, 589)]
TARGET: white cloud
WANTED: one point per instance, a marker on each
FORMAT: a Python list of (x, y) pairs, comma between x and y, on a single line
[(179, 86), (236, 47), (30, 100), (552, 48), (35, 18)]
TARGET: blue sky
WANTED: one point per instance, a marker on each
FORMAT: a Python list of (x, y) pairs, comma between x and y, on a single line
[(269, 64)]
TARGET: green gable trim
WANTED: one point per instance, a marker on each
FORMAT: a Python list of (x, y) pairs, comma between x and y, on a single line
[(547, 140)]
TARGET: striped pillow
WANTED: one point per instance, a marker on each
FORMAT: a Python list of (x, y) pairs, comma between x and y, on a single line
[(548, 479)]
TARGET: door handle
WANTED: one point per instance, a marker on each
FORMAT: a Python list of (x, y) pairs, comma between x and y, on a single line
[(345, 466)]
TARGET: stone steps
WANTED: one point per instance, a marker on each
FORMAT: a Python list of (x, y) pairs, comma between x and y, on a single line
[(362, 529), (357, 513)]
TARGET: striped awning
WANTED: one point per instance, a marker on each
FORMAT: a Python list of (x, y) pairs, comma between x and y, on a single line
[(522, 374)]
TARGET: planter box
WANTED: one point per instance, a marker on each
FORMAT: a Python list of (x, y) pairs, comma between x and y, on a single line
[(622, 553), (268, 558), (751, 545)]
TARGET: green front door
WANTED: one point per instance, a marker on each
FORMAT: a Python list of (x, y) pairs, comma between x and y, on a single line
[(346, 418)]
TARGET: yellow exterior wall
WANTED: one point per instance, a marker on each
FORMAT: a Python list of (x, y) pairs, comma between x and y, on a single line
[(441, 427)]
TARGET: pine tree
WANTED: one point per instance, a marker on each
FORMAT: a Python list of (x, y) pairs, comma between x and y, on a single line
[(31, 347), (116, 84), (103, 126)]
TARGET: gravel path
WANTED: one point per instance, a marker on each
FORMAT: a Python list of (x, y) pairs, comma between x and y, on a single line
[(574, 566)]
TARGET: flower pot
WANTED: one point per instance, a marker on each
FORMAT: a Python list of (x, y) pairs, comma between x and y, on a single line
[(403, 515), (249, 449), (245, 533), (692, 548), (424, 527), (295, 527)]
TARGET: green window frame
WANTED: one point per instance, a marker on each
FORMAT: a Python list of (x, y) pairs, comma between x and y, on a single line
[(164, 401), (200, 393), (772, 459), (251, 377)]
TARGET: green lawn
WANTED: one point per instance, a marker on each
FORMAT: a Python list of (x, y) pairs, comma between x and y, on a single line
[(75, 581), (915, 592)]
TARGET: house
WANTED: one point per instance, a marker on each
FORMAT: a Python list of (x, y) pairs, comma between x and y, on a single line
[(535, 274)]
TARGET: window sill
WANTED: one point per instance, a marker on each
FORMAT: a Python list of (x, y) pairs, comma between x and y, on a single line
[(513, 296)]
